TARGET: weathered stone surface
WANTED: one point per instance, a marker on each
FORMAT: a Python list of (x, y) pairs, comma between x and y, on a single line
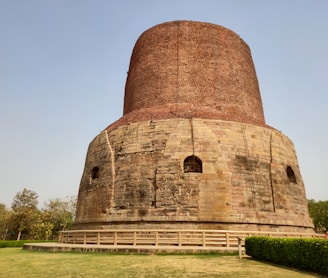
[(244, 179), (192, 149)]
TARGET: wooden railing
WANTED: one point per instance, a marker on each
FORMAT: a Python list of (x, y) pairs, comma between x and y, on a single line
[(216, 239)]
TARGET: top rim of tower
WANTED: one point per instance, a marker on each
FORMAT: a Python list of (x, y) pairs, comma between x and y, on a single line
[(192, 22)]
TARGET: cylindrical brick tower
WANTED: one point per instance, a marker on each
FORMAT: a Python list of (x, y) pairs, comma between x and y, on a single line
[(192, 149)]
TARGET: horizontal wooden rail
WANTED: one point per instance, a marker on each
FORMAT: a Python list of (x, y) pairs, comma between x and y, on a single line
[(216, 239)]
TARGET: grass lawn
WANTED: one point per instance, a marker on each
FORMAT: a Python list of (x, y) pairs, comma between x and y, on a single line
[(15, 263)]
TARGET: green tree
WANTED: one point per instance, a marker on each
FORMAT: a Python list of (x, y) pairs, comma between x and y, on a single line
[(4, 221), (58, 215), (319, 213), (25, 211), (42, 227)]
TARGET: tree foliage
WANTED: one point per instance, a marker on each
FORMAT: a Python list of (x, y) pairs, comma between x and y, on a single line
[(319, 213), (59, 215), (26, 220), (5, 215), (25, 211)]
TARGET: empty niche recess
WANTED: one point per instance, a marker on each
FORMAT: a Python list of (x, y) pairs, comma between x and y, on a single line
[(192, 164), (290, 174), (95, 173)]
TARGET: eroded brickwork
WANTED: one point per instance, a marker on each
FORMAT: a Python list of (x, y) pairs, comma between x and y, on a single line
[(192, 95), (192, 69)]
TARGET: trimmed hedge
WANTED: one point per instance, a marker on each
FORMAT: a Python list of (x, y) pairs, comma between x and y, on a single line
[(303, 253), (17, 243)]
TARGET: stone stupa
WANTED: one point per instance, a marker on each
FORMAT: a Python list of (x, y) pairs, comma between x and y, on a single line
[(192, 149)]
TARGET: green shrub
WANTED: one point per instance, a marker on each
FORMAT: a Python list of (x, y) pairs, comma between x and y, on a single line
[(16, 243), (305, 254)]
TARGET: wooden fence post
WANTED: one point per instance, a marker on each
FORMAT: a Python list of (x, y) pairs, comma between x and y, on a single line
[(98, 237), (179, 238), (239, 247), (203, 239)]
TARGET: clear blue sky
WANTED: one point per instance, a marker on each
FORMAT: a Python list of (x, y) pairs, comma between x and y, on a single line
[(63, 66)]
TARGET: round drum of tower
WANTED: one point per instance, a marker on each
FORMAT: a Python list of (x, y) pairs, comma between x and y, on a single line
[(193, 69)]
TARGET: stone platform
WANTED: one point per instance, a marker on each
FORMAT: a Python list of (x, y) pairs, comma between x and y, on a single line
[(131, 249)]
